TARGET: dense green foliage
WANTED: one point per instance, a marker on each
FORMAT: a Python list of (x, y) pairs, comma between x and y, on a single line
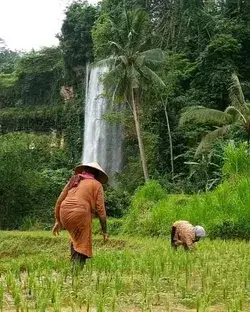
[(76, 40), (199, 74), (237, 113), (29, 186), (39, 76), (35, 79), (8, 59), (201, 44)]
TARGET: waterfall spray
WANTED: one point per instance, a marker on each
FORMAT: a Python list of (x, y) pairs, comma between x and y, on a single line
[(102, 140)]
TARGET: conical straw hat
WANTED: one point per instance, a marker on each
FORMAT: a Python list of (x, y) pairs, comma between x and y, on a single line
[(102, 176)]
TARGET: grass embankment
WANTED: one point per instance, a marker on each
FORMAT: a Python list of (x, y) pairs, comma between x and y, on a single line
[(126, 274), (224, 212)]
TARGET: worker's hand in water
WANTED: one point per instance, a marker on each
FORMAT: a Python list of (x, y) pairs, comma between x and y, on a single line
[(56, 229), (105, 237)]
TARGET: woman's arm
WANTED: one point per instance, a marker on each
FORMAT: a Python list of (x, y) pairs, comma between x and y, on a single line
[(60, 199), (57, 226), (101, 211)]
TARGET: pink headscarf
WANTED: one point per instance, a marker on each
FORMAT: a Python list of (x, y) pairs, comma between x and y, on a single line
[(75, 180)]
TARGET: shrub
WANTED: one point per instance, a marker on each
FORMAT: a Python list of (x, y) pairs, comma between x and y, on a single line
[(143, 202), (237, 160), (117, 202)]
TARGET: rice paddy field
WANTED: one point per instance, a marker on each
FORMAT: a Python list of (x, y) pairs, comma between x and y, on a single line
[(126, 274)]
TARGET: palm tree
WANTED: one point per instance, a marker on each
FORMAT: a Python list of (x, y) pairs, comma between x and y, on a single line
[(132, 67), (237, 112)]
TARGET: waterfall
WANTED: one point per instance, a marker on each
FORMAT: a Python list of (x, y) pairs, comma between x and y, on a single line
[(102, 139)]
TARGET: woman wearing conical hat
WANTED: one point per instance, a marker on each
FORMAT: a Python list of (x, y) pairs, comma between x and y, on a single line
[(81, 198), (185, 234)]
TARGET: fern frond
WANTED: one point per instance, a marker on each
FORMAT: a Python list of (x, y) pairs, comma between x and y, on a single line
[(209, 139), (202, 115), (236, 94)]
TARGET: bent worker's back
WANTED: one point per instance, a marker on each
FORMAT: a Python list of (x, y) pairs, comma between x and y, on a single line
[(184, 234), (76, 213)]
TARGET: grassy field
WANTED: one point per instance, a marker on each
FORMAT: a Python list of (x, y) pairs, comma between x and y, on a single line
[(126, 274)]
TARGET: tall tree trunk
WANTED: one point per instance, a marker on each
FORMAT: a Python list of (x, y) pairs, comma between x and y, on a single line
[(135, 105), (170, 140)]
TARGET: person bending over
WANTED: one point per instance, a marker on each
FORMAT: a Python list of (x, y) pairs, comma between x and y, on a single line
[(185, 234)]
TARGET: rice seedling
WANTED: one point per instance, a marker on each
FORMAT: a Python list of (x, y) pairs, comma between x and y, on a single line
[(144, 275), (1, 296)]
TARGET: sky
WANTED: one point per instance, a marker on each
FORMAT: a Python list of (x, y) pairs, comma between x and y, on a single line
[(31, 24)]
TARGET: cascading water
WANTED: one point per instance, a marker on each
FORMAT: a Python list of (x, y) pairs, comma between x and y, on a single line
[(102, 139)]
